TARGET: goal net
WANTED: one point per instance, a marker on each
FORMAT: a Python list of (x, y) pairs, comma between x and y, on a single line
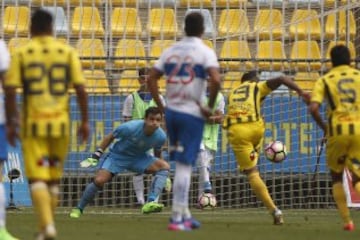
[(116, 38)]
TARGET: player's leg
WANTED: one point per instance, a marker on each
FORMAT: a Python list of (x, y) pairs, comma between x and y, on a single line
[(336, 151), (37, 169), (203, 163), (138, 182), (184, 148), (160, 169), (4, 234), (108, 169), (350, 154), (245, 140)]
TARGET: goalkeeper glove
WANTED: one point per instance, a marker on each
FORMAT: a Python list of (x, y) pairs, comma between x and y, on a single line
[(93, 160)]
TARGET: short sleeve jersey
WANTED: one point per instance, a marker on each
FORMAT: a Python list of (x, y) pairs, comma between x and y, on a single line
[(45, 68), (340, 88), (185, 65), (132, 141), (245, 103)]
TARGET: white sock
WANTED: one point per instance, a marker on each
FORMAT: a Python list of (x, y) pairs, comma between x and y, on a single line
[(2, 206), (138, 181), (181, 188), (203, 165)]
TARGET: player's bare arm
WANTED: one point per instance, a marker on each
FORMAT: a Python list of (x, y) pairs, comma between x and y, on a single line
[(214, 79), (12, 118), (315, 112), (154, 76), (84, 128), (274, 83)]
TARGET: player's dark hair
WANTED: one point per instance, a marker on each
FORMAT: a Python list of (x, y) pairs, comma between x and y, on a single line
[(143, 71), (250, 76), (340, 55), (41, 22), (194, 24), (153, 111)]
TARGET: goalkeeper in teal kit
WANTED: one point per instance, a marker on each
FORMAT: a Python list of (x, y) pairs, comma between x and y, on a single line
[(130, 152)]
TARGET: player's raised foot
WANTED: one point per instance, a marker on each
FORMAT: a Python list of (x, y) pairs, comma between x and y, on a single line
[(152, 207), (178, 226), (349, 226), (75, 213), (192, 223), (278, 217), (5, 235)]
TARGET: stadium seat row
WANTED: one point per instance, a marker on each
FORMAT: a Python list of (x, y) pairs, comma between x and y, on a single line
[(96, 81), (234, 55), (268, 23), (181, 3)]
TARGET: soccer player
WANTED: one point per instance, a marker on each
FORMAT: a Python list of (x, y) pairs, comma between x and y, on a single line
[(209, 145), (134, 107), (130, 152), (245, 129), (4, 65), (44, 69), (186, 65), (341, 88)]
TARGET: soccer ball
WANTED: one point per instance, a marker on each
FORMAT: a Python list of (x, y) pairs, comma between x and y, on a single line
[(207, 201), (275, 152)]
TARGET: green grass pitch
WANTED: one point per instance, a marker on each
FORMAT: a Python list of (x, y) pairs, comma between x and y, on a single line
[(130, 224)]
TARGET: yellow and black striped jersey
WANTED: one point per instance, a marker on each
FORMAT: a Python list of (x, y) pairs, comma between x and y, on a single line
[(244, 103), (340, 87), (45, 68)]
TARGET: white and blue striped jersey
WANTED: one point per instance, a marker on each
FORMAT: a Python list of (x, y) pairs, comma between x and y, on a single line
[(4, 65), (185, 66), (131, 141)]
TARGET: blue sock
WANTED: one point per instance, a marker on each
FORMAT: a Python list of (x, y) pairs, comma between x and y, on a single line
[(88, 195), (158, 184)]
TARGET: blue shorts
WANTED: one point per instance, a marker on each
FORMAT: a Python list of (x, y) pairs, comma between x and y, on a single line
[(3, 143), (118, 164), (185, 134)]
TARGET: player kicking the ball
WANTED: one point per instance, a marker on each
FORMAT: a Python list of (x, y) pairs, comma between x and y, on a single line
[(130, 152)]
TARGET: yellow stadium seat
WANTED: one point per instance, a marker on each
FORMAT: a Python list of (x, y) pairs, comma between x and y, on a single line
[(231, 80), (196, 3), (162, 22), (230, 3), (209, 43), (86, 22), (124, 3), (233, 22), (125, 22), (16, 21), (66, 2), (305, 23), (157, 47), (133, 49), (128, 82), (272, 50), (16, 43), (269, 24), (96, 81), (232, 52), (63, 40), (305, 50), (338, 25), (351, 47), (306, 80), (88, 48), (332, 2)]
